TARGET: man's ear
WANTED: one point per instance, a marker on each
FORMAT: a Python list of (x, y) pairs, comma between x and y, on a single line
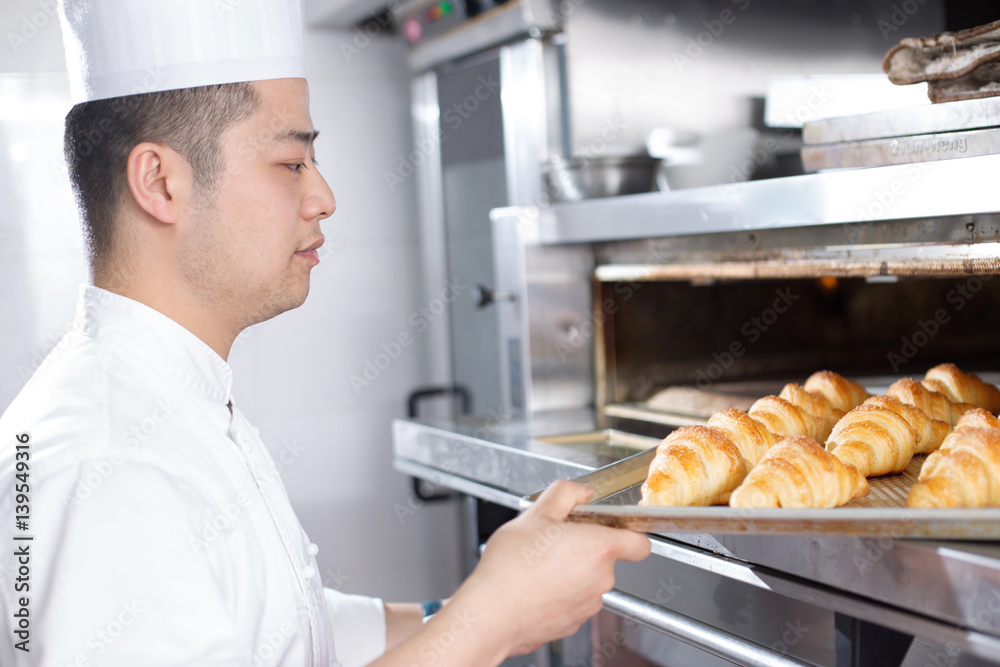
[(159, 180)]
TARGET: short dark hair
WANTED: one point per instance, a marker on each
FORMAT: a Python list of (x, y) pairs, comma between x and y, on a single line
[(101, 134)]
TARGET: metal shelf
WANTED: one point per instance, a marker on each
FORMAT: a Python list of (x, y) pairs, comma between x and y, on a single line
[(944, 189)]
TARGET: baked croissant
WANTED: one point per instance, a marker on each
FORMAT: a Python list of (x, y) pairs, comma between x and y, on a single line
[(976, 418), (874, 439), (842, 393), (797, 472), (961, 387), (751, 437), (694, 465), (930, 433), (785, 419), (816, 404), (933, 404), (965, 472)]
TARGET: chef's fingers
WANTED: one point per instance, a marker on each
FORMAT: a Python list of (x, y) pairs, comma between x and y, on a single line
[(614, 543), (632, 546), (557, 501)]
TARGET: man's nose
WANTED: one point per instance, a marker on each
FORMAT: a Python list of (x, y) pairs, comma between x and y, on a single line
[(320, 202)]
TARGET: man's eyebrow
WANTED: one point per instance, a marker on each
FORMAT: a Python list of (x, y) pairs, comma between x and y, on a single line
[(304, 137)]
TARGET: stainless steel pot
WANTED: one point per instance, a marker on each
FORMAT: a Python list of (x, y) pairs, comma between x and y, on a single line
[(578, 178)]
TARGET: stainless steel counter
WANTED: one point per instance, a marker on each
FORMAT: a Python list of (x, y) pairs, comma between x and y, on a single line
[(944, 593)]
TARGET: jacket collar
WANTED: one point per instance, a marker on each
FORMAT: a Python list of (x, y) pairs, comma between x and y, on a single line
[(156, 339)]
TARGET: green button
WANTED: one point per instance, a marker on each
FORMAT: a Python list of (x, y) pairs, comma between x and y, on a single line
[(445, 8)]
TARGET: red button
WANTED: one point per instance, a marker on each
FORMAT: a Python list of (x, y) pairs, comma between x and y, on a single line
[(412, 30)]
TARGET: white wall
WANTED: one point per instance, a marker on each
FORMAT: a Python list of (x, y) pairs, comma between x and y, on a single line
[(41, 248), (293, 373)]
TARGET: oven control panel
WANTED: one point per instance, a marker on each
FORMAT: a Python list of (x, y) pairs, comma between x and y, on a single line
[(426, 20)]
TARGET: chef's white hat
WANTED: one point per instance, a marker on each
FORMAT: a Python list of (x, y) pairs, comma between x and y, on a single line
[(126, 47)]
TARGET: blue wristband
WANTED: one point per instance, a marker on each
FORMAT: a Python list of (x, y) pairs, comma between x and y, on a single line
[(431, 607)]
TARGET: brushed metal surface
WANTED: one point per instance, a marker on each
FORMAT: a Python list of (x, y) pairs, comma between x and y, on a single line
[(500, 24), (957, 582), (475, 161), (801, 242), (951, 261), (945, 117), (911, 193), (496, 452), (901, 150), (547, 335)]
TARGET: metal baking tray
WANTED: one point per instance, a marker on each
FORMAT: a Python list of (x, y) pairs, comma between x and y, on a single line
[(901, 150), (930, 119), (883, 513)]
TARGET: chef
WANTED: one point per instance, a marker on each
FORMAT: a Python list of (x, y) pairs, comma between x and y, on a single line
[(150, 526)]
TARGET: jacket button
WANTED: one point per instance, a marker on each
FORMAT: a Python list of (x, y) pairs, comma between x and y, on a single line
[(312, 549), (308, 572)]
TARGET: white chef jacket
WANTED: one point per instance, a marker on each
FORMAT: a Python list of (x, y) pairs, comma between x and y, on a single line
[(162, 534)]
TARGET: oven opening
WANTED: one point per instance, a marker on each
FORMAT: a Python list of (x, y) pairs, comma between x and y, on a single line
[(691, 348)]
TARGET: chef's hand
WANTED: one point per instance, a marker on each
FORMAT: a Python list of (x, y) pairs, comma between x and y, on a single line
[(544, 576), (539, 579)]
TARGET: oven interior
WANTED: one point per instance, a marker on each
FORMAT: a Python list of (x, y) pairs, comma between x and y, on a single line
[(683, 324)]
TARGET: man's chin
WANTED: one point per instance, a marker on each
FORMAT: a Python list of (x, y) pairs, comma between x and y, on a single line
[(282, 303)]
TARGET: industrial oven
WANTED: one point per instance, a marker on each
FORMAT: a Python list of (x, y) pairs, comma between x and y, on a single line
[(588, 331), (733, 290)]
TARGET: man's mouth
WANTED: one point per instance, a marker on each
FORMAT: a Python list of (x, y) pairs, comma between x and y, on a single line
[(310, 252)]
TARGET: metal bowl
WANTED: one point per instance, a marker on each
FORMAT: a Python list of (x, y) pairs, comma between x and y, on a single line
[(578, 178)]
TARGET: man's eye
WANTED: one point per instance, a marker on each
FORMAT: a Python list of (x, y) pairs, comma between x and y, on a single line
[(297, 167)]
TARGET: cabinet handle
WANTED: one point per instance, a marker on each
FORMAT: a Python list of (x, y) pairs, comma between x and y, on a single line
[(700, 635), (486, 296)]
